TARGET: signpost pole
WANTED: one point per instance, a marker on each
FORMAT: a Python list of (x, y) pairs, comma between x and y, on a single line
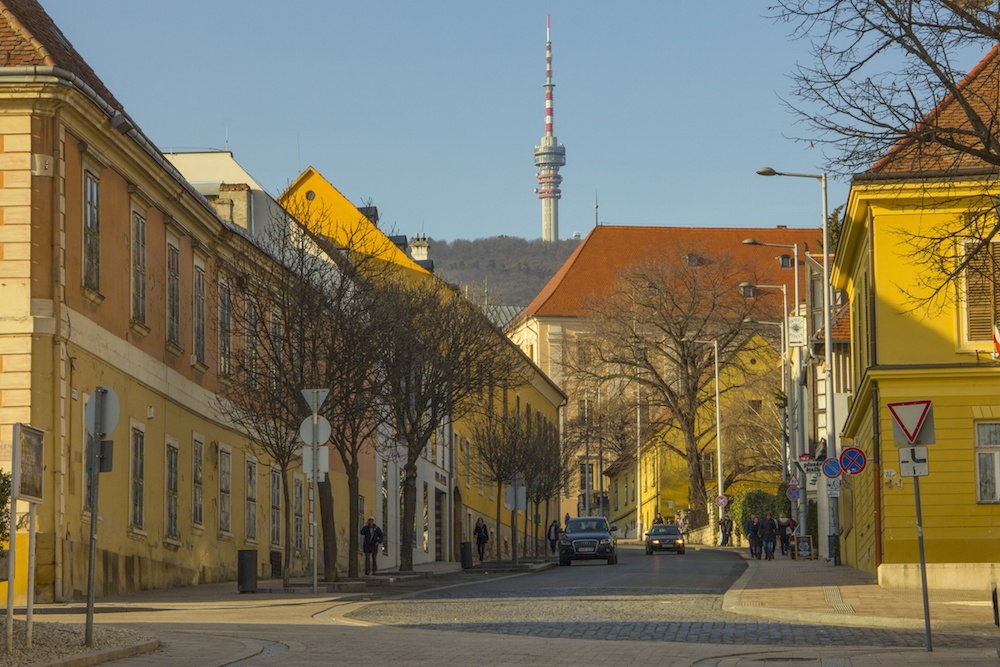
[(94, 441), (923, 564), (312, 513)]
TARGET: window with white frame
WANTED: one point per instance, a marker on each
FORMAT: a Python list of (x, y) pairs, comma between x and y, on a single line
[(91, 231), (988, 461), (275, 506), (225, 329), (276, 350), (199, 314), (982, 292), (297, 509), (468, 463), (225, 490), (171, 529), (197, 481), (250, 345), (173, 295), (480, 475), (251, 505), (138, 268), (138, 482)]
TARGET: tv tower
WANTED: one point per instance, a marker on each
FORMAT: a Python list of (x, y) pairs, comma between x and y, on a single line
[(549, 156)]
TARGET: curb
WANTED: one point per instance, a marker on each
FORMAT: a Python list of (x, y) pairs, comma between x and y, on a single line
[(106, 655)]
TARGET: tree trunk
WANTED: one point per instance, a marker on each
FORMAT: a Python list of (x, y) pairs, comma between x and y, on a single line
[(286, 495), (325, 493), (513, 530), (496, 532), (458, 528), (354, 530), (409, 518)]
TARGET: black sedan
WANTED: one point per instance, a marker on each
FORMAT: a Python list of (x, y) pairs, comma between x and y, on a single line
[(664, 537), (588, 538)]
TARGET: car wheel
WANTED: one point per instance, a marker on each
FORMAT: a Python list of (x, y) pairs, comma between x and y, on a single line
[(649, 552), (680, 553), (563, 562)]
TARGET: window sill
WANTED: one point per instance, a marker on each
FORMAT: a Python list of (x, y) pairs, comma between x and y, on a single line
[(174, 350), (197, 529), (227, 537), (92, 295), (136, 534), (171, 543), (199, 366), (139, 328)]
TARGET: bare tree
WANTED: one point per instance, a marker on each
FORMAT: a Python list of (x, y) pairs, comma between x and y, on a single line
[(545, 468), (438, 344), (887, 92), (271, 333), (653, 331)]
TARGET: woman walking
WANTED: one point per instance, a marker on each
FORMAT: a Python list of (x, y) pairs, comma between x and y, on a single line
[(482, 535)]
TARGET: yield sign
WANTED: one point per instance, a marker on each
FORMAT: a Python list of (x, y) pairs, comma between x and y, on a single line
[(910, 416)]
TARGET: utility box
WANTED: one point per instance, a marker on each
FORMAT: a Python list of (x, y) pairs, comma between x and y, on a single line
[(246, 571), (833, 544), (466, 551)]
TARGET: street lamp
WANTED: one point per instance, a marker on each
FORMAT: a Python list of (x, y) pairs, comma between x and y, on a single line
[(831, 434), (784, 388), (718, 417)]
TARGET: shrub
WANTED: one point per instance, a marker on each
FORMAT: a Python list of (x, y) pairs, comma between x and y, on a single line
[(5, 479)]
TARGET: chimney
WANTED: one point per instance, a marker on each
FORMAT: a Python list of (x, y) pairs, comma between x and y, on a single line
[(420, 248)]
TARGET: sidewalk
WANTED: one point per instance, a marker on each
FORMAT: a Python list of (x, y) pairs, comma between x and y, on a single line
[(816, 591)]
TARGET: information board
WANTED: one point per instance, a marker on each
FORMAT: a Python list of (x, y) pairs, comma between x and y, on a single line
[(803, 547)]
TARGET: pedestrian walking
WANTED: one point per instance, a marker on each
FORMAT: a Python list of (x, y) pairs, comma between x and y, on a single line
[(566, 521), (784, 533), (753, 536), (658, 519), (482, 535), (726, 527), (768, 535), (553, 535), (372, 542)]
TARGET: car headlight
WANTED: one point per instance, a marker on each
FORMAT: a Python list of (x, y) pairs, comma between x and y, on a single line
[(656, 541), (679, 541), (565, 542), (605, 542)]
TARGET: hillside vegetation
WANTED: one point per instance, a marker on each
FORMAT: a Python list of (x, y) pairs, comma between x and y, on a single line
[(513, 270)]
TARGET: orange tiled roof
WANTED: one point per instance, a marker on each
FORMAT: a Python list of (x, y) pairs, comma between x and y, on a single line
[(29, 38), (979, 87), (610, 248)]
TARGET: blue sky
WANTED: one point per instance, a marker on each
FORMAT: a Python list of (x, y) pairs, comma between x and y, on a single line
[(432, 110)]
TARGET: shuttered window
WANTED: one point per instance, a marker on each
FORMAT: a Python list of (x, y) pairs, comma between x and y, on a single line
[(981, 292)]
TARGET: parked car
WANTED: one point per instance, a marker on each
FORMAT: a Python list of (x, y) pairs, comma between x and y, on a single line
[(664, 537), (588, 538)]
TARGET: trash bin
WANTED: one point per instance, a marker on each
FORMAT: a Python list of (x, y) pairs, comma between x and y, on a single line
[(466, 549), (833, 544), (246, 571)]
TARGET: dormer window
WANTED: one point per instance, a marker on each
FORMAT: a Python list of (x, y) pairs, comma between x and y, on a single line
[(786, 261), (692, 259)]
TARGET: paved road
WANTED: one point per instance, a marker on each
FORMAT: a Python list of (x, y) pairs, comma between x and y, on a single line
[(661, 597)]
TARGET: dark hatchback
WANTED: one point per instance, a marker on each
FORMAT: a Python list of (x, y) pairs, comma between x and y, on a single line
[(664, 537), (588, 538)]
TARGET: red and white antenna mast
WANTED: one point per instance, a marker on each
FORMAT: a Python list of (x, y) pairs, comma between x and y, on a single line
[(550, 155)]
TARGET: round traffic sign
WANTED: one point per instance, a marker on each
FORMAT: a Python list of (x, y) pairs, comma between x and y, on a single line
[(793, 493), (722, 501), (323, 430), (853, 460), (831, 468), (805, 457)]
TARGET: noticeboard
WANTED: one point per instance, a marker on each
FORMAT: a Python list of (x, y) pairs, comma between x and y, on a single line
[(803, 547)]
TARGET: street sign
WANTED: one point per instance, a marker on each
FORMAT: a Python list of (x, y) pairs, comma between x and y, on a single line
[(833, 488), (315, 398), (793, 493), (853, 460), (913, 461), (805, 458), (832, 469), (323, 430), (910, 420), (796, 331), (722, 501), (106, 400), (322, 461)]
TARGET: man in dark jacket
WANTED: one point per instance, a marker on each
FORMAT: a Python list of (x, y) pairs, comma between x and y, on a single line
[(768, 534), (371, 544)]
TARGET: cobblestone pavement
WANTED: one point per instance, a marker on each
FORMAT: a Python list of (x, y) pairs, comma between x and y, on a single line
[(597, 613)]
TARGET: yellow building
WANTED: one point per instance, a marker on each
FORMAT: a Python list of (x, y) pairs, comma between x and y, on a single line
[(553, 331), (111, 263), (451, 495), (908, 345)]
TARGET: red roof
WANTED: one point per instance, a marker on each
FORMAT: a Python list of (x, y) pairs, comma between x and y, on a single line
[(607, 249), (29, 38), (949, 120)]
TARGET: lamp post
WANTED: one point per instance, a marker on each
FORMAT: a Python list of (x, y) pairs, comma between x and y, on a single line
[(784, 388), (718, 417), (832, 448)]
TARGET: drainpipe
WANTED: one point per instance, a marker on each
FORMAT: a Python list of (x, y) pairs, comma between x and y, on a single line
[(877, 473), (60, 409)]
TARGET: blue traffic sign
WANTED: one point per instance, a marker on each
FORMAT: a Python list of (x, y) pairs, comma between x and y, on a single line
[(831, 468), (853, 460), (793, 493)]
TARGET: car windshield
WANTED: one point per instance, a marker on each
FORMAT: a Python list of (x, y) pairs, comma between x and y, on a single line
[(587, 526), (664, 530)]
